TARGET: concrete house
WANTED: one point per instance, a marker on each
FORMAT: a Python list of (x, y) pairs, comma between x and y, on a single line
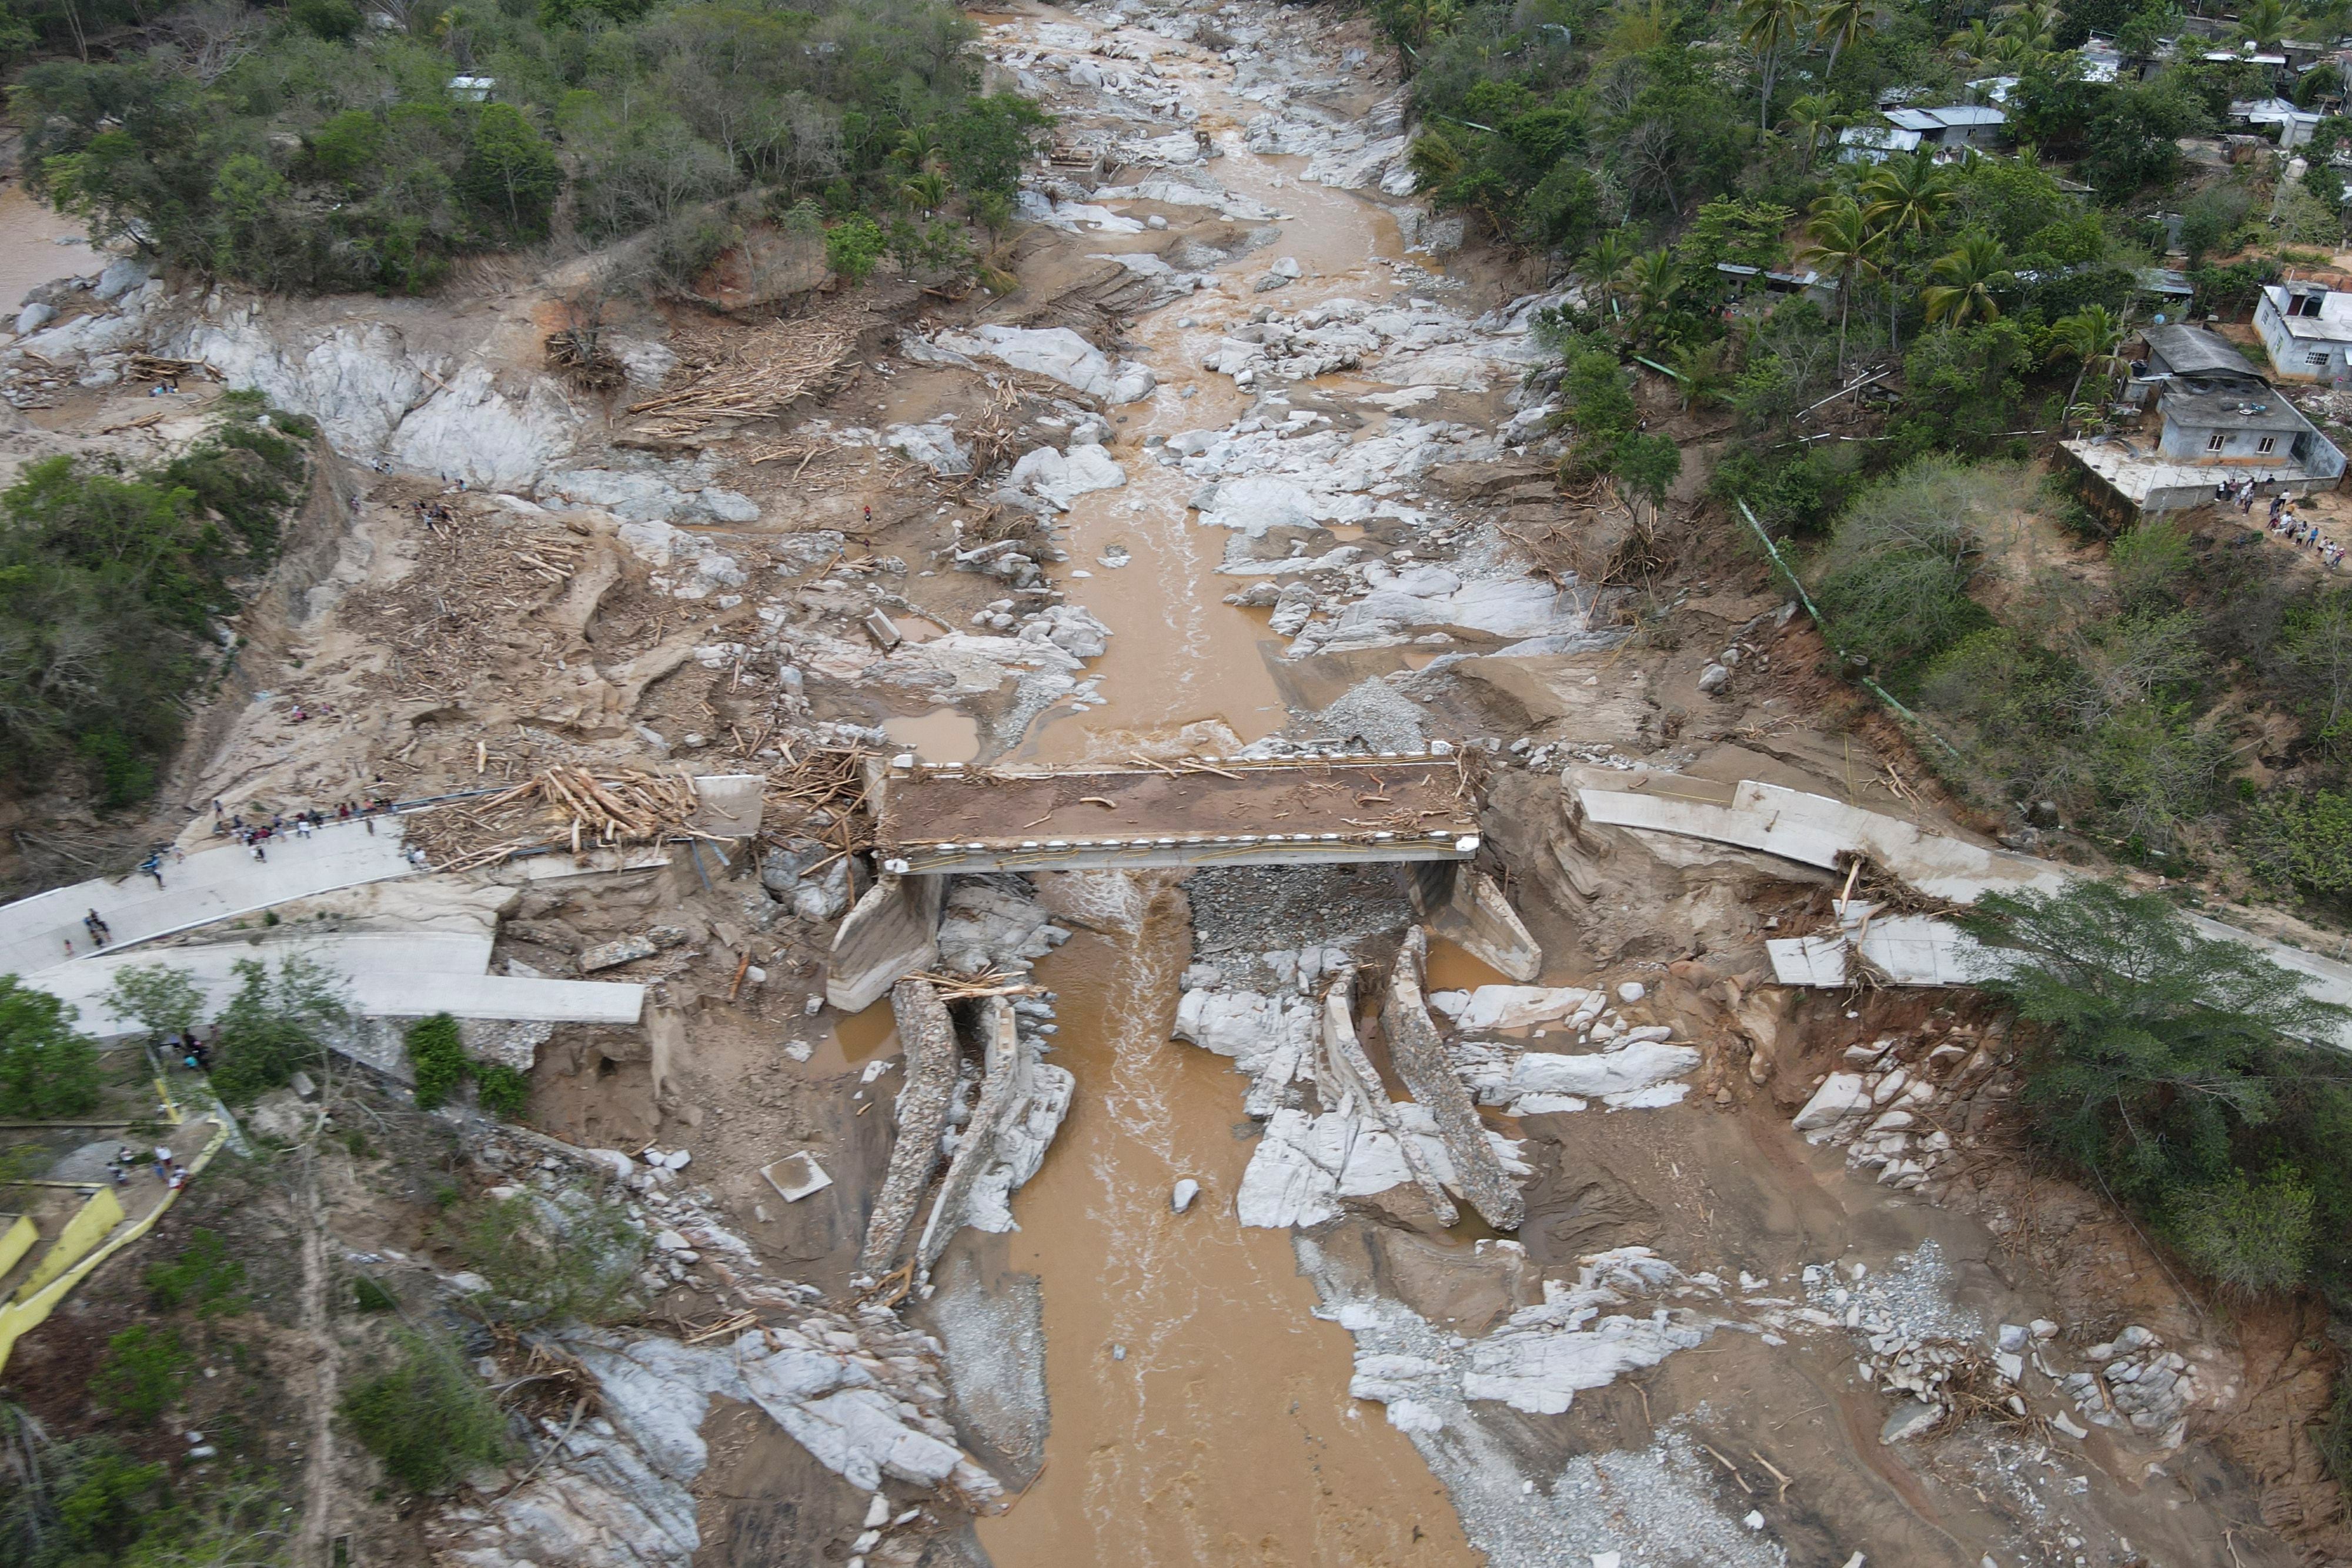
[(2306, 329), (2215, 418)]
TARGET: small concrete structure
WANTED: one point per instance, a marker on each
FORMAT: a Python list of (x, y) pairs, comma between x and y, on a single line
[(2294, 126), (2306, 329), (731, 804), (893, 930), (1465, 907)]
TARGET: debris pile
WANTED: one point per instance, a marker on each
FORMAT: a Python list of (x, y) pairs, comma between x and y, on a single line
[(561, 805), (751, 376), (862, 1392), (1885, 1110)]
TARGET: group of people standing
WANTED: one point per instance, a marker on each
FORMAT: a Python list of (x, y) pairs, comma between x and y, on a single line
[(2283, 522), (2303, 535), (257, 833)]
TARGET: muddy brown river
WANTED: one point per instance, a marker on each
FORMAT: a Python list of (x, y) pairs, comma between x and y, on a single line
[(1200, 1412)]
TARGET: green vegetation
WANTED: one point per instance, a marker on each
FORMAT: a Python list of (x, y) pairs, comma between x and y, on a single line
[(438, 1057), (275, 1026), (164, 999), (548, 1256), (313, 149), (83, 1503), (2179, 1070), (144, 1371), (427, 1417), (204, 1276), (504, 1091), (47, 1069), (110, 584), (1893, 578)]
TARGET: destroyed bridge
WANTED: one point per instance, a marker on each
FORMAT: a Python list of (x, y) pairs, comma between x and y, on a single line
[(1419, 809)]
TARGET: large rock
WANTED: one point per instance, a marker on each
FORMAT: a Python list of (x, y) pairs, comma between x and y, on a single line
[(1609, 1074), (1057, 353), (1063, 479), (933, 445), (1518, 1007)]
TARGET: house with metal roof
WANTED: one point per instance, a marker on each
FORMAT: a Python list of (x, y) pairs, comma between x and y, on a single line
[(2216, 420), (1953, 127), (2306, 329), (2294, 125)]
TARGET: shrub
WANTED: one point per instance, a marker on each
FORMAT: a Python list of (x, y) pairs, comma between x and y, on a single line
[(2304, 841), (548, 1256), (370, 1297), (504, 1091), (2149, 563), (144, 1371), (439, 1055), (45, 1067), (1893, 580), (275, 1026), (853, 245), (204, 1277), (2251, 1238), (426, 1417)]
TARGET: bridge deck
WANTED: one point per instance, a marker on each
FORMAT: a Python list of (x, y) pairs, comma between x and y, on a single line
[(1193, 812)]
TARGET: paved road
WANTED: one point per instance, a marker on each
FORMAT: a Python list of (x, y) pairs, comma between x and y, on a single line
[(215, 884), (388, 974)]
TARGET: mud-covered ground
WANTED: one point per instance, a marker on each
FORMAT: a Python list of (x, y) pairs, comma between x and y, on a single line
[(1286, 487)]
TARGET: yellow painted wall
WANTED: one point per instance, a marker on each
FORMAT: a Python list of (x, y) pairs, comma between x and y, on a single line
[(16, 1240), (85, 1230), (32, 1308)]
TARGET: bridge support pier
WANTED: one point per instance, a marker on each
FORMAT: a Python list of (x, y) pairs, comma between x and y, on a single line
[(893, 931), (1466, 908)]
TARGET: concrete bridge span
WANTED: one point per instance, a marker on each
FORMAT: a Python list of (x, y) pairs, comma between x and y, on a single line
[(1187, 811), (1416, 811)]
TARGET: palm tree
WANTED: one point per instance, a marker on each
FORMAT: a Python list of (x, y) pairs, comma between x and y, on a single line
[(1839, 241), (1839, 22), (918, 148), (2090, 336), (1656, 277), (1974, 43), (1768, 26), (1906, 196), (1604, 263), (1960, 282), (1813, 114), (2263, 23), (926, 192), (2035, 21)]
